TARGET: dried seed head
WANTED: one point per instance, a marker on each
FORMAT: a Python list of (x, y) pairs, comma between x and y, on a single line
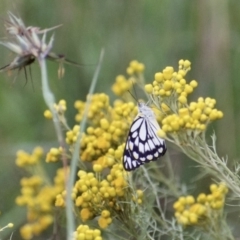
[(28, 43)]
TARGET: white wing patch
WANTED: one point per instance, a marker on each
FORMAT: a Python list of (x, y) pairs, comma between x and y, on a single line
[(143, 145)]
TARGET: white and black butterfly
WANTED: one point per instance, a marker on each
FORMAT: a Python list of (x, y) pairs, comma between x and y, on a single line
[(143, 145)]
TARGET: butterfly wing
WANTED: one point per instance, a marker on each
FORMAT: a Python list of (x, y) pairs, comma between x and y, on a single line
[(142, 145)]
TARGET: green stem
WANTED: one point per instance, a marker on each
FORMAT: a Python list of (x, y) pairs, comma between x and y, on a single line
[(75, 157), (50, 100)]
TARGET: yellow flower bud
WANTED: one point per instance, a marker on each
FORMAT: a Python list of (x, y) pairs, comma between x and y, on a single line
[(181, 62), (97, 168), (183, 220), (185, 213), (105, 213), (175, 125), (190, 199), (220, 114), (140, 67), (213, 115), (217, 195), (167, 72), (196, 114), (223, 188), (193, 219), (161, 133), (149, 88), (186, 64), (203, 118), (133, 64), (202, 198), (177, 205), (182, 81), (209, 197), (168, 93), (159, 77), (202, 127), (96, 233), (182, 99), (217, 204), (188, 89), (98, 238), (213, 187), (179, 76), (182, 72), (162, 92), (183, 112), (182, 200), (85, 214), (165, 128), (193, 83), (104, 123), (47, 114), (102, 222), (130, 71), (167, 85)]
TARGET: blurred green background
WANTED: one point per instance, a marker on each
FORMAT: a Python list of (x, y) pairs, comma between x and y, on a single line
[(157, 33)]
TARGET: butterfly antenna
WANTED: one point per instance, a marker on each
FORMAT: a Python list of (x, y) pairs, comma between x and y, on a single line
[(132, 96), (134, 90)]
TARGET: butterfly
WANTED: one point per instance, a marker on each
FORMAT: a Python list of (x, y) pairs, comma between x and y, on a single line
[(143, 144)]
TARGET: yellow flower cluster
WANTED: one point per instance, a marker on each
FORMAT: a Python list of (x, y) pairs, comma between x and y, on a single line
[(37, 195), (25, 159), (108, 130), (124, 111), (105, 219), (172, 89), (54, 155), (28, 231), (191, 211), (103, 193), (168, 82), (99, 105), (85, 233), (98, 141), (61, 108), (38, 200), (97, 195), (122, 85), (135, 67), (72, 135), (109, 159), (196, 116)]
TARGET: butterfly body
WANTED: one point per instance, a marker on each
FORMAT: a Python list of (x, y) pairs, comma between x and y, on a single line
[(143, 145)]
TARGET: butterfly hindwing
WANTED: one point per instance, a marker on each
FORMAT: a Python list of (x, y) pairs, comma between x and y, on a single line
[(142, 145), (129, 161)]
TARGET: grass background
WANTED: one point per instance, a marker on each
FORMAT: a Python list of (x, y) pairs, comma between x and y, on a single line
[(157, 33)]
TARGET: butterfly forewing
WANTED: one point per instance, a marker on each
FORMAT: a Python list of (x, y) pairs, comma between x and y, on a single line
[(143, 145)]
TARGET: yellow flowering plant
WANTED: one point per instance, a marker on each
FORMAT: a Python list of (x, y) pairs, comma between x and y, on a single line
[(102, 200)]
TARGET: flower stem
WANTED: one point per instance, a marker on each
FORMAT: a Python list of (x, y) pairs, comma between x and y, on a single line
[(76, 153)]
